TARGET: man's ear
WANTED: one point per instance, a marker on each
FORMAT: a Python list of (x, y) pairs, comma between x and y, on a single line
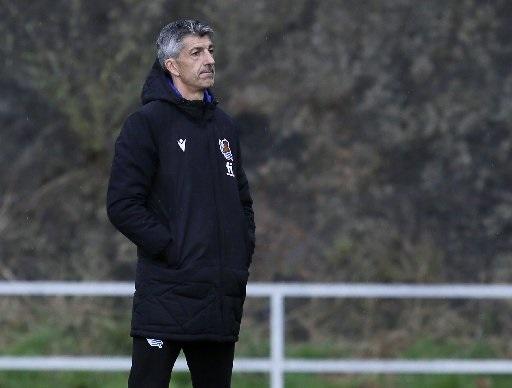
[(172, 67)]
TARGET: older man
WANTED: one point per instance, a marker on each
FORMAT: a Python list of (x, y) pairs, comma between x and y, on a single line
[(178, 191)]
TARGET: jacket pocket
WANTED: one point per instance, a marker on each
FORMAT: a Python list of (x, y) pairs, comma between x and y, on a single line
[(247, 243), (157, 259), (167, 258), (170, 255), (247, 250)]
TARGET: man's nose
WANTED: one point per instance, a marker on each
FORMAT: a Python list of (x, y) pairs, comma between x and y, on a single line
[(209, 59)]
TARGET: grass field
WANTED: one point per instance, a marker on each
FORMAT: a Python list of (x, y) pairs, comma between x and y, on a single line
[(182, 380)]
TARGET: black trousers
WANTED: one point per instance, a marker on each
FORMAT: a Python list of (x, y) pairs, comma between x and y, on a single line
[(210, 363)]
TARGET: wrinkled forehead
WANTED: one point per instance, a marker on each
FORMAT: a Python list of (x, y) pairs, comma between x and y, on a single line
[(192, 41)]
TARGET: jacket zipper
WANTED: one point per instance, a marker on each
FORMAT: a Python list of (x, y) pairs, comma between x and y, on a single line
[(220, 233)]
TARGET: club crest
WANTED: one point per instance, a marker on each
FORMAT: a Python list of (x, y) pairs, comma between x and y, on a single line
[(224, 148)]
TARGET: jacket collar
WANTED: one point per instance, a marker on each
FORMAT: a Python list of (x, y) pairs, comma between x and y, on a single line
[(159, 86)]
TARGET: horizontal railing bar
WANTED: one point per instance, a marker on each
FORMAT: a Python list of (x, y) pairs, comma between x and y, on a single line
[(49, 288), (112, 364), (368, 366), (345, 290), (66, 363), (435, 366), (383, 290)]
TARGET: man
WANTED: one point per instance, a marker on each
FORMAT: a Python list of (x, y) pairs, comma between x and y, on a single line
[(178, 191)]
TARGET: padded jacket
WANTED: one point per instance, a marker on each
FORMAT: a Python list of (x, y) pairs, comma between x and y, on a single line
[(178, 191)]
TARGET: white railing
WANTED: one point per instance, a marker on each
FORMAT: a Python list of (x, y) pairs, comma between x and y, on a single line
[(277, 364)]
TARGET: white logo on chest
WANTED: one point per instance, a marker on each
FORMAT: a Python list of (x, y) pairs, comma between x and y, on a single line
[(181, 143), (224, 148)]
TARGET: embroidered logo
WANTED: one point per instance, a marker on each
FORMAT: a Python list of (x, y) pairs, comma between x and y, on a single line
[(155, 342), (181, 143), (224, 148), (229, 167)]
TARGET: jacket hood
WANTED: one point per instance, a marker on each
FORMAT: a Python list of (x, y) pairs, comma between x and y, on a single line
[(158, 87)]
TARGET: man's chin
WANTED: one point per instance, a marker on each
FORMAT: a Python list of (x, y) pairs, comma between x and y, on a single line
[(208, 84)]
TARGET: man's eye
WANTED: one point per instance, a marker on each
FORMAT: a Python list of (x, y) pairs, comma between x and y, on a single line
[(195, 53)]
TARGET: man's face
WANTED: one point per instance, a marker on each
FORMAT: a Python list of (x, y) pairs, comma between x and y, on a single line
[(195, 66)]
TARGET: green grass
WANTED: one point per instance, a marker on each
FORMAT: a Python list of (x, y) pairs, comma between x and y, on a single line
[(296, 380), (107, 380), (242, 380), (430, 348), (62, 379)]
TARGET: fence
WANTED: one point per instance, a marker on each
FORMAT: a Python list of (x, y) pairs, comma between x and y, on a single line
[(277, 365)]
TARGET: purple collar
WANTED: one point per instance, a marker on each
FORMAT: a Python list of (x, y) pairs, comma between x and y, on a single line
[(208, 97)]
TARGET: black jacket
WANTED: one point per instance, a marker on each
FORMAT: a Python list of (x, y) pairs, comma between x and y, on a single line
[(177, 190)]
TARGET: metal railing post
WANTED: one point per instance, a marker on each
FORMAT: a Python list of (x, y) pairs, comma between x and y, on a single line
[(277, 339)]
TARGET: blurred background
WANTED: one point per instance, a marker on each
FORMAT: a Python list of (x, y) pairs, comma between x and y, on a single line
[(377, 142)]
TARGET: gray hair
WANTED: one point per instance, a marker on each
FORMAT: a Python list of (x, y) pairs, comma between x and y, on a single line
[(170, 40)]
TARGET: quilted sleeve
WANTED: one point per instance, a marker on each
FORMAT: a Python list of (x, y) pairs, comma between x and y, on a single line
[(133, 167)]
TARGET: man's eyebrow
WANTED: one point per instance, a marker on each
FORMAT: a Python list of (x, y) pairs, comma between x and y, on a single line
[(210, 46)]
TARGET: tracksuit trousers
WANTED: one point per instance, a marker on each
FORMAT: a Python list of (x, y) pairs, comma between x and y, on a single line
[(210, 363)]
